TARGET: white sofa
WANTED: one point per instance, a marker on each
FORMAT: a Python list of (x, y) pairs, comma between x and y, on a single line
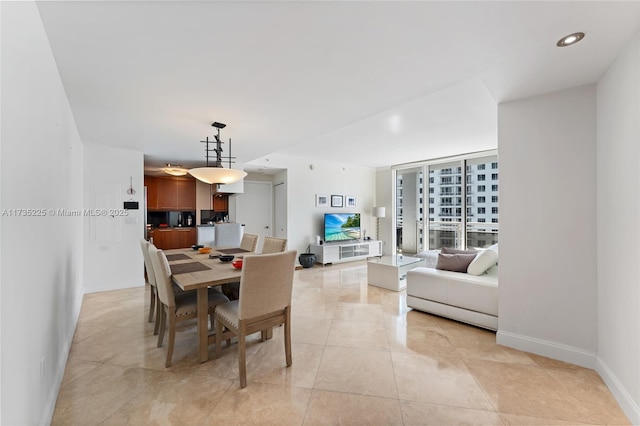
[(460, 296)]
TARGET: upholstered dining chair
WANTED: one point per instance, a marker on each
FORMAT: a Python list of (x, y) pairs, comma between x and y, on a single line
[(249, 242), (265, 301), (176, 307), (270, 245), (274, 245), (151, 279)]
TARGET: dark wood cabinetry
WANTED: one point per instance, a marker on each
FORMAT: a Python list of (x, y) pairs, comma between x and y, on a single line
[(174, 238), (167, 194), (170, 193), (151, 182), (185, 237), (220, 203), (162, 238), (186, 194)]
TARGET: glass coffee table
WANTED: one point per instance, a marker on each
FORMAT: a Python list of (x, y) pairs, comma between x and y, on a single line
[(390, 272)]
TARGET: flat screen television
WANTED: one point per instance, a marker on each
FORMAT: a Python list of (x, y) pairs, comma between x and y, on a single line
[(341, 226)]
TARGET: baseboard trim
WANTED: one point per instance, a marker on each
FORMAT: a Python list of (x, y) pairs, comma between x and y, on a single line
[(48, 411), (549, 349), (121, 285), (628, 405)]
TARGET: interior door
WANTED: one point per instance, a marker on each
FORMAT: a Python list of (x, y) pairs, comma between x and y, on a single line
[(254, 209)]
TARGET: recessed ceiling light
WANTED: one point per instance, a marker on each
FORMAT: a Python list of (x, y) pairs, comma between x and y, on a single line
[(570, 39)]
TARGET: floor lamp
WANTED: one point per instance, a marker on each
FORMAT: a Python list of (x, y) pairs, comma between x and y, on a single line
[(378, 212)]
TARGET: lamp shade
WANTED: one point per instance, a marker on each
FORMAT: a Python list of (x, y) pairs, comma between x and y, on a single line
[(213, 175), (378, 211)]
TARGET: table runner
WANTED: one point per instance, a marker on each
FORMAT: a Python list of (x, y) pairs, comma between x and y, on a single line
[(185, 268)]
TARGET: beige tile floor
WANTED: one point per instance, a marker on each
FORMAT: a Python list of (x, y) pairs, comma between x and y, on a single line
[(359, 357)]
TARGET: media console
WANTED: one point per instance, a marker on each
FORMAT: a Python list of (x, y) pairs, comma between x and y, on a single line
[(346, 251)]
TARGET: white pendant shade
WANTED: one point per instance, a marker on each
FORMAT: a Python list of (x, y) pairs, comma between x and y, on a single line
[(213, 175)]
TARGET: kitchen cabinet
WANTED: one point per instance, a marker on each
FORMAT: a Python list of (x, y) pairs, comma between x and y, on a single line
[(186, 194), (172, 193), (221, 203), (151, 182), (173, 238), (167, 194), (163, 238), (184, 237)]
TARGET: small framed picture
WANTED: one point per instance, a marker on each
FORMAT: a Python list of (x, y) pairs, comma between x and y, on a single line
[(322, 200), (351, 201), (337, 201)]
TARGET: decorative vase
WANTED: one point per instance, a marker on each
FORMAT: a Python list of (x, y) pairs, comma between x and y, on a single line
[(307, 260)]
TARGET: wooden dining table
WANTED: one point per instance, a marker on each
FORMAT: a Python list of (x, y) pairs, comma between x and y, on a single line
[(192, 270)]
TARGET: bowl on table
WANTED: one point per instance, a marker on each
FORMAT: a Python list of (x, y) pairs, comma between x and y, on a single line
[(237, 263), (204, 250), (226, 257), (197, 246)]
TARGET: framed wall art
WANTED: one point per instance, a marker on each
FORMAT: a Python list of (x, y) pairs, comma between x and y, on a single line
[(322, 200), (337, 201), (351, 201)]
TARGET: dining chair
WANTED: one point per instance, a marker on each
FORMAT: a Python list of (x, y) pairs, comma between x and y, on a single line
[(153, 291), (176, 307), (265, 301), (270, 245), (273, 245), (249, 242)]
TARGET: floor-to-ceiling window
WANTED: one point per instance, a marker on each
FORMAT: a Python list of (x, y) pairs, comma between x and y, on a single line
[(482, 201), (455, 206)]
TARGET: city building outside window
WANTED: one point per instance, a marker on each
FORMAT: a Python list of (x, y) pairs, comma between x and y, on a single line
[(449, 219)]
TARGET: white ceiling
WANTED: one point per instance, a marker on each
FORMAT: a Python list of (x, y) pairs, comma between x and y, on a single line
[(364, 83)]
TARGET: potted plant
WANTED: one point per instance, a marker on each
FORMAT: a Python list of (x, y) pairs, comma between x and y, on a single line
[(308, 259)]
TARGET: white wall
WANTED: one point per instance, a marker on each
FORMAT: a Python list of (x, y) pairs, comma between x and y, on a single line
[(305, 220), (120, 264), (618, 205), (204, 198), (547, 154), (41, 168)]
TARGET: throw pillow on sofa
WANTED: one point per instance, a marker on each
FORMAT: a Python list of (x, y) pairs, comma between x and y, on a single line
[(483, 261), (454, 262)]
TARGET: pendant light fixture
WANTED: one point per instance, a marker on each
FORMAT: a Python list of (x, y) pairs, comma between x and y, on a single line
[(217, 173), (174, 170)]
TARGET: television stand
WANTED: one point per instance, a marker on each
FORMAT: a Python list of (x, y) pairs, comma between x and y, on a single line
[(346, 251)]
